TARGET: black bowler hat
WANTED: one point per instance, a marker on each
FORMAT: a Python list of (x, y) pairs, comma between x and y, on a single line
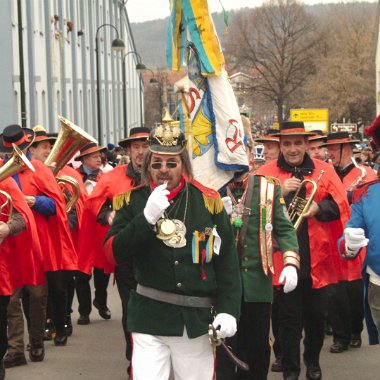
[(293, 128), (15, 134), (138, 133), (339, 138), (167, 139), (89, 149)]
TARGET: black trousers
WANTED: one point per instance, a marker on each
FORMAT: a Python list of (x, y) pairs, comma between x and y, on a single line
[(355, 291), (274, 319), (251, 344), (303, 308), (58, 284), (124, 287), (83, 289), (4, 301)]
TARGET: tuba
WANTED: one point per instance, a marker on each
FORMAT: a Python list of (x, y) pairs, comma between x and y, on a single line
[(70, 139), (14, 165), (299, 206)]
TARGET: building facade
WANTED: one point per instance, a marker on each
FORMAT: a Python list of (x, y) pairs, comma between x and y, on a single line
[(50, 66)]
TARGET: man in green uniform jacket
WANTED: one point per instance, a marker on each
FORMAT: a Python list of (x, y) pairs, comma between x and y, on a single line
[(259, 216), (185, 263)]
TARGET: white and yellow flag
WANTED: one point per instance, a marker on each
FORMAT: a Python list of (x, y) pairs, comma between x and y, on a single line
[(216, 132)]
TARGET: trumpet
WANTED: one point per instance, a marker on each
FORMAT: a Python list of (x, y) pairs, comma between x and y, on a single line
[(299, 206), (360, 179)]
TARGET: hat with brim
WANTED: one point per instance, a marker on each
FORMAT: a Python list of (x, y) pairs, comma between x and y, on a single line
[(41, 135), (167, 139), (318, 136), (339, 138), (374, 131), (138, 133), (269, 137), (292, 128), (15, 134), (89, 149)]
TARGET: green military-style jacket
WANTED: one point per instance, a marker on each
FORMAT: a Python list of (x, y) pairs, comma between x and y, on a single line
[(172, 269), (257, 286)]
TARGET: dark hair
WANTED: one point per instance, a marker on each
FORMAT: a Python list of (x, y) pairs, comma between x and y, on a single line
[(185, 158)]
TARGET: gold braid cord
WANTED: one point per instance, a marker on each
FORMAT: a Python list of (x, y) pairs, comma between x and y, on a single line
[(118, 200)]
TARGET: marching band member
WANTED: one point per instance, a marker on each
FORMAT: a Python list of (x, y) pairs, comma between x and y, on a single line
[(91, 158), (184, 259), (98, 215), (346, 307), (20, 261), (46, 200), (306, 306)]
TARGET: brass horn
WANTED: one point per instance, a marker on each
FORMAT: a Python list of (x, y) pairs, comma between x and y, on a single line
[(70, 139), (15, 164), (299, 206)]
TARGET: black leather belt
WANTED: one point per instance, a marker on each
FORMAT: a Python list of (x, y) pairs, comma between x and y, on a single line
[(173, 298)]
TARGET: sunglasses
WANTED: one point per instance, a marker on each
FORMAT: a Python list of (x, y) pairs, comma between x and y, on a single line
[(169, 165)]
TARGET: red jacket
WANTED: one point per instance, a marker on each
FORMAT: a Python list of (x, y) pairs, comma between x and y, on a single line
[(326, 265), (21, 261), (93, 233), (53, 231)]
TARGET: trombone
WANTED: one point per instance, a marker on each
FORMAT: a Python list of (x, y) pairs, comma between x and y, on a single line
[(299, 206)]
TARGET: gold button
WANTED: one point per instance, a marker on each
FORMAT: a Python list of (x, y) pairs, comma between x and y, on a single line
[(245, 269), (176, 262), (245, 246), (179, 285), (245, 258)]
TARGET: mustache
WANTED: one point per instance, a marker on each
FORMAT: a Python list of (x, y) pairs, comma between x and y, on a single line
[(164, 178)]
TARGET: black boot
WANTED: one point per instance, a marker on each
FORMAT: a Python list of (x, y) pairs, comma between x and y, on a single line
[(69, 326), (60, 338), (49, 330)]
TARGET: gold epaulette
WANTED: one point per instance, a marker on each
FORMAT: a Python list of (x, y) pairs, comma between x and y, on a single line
[(273, 180), (119, 199), (211, 198)]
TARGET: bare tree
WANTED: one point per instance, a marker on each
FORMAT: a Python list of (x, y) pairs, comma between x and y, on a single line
[(344, 80), (275, 42)]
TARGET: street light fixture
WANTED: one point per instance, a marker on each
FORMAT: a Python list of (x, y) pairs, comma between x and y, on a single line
[(118, 46), (140, 67)]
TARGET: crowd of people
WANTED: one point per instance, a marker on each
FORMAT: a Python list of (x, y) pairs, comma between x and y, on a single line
[(292, 244)]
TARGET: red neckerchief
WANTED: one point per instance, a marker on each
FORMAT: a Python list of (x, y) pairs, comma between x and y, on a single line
[(174, 192)]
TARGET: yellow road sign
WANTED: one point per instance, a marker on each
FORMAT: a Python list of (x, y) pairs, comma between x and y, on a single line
[(308, 114)]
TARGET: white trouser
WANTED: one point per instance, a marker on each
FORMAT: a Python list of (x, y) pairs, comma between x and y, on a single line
[(191, 359)]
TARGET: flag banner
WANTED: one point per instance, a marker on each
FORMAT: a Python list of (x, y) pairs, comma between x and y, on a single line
[(216, 132)]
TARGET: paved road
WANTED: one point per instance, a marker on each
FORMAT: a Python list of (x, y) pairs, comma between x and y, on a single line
[(96, 352)]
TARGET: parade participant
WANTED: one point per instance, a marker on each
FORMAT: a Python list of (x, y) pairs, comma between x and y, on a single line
[(20, 260), (362, 231), (184, 259), (316, 149), (346, 306), (258, 157), (98, 215), (45, 198), (306, 306), (271, 145), (255, 228), (90, 171)]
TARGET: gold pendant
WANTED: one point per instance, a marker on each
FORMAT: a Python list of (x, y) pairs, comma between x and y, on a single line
[(166, 229)]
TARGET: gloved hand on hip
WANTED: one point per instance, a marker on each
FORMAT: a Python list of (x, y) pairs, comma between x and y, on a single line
[(227, 324), (355, 240), (290, 276), (157, 203), (227, 203)]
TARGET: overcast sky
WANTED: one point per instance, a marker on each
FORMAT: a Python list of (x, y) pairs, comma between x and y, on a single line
[(144, 10)]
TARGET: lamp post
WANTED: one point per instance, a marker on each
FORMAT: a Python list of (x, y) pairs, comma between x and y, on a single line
[(139, 68), (117, 45)]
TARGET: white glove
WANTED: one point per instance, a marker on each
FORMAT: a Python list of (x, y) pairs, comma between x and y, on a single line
[(290, 276), (355, 239), (227, 203), (157, 203), (227, 325)]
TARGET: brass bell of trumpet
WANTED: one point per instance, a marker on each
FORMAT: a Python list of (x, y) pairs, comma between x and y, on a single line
[(299, 206), (15, 164)]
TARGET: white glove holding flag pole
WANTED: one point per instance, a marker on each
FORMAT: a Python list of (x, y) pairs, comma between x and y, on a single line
[(157, 203), (355, 240), (227, 324), (290, 276), (227, 203)]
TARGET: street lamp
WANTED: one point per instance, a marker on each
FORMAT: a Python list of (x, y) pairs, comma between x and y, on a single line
[(117, 45), (140, 67)]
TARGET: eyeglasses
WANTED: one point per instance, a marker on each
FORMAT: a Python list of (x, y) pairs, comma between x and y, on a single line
[(158, 165)]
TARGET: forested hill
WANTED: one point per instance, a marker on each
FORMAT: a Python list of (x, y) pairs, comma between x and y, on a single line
[(151, 36)]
